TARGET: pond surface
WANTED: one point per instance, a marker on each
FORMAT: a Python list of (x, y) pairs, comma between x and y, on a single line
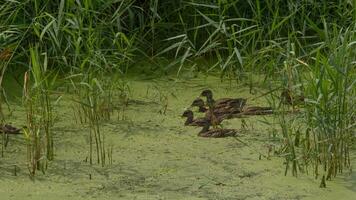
[(156, 157)]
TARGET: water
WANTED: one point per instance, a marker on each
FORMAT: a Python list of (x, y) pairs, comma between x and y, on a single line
[(156, 157)]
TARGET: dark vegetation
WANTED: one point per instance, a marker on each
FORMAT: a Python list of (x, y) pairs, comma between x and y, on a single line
[(308, 46)]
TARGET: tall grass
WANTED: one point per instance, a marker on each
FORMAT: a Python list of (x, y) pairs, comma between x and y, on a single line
[(236, 36), (331, 108), (94, 105), (321, 136), (38, 82)]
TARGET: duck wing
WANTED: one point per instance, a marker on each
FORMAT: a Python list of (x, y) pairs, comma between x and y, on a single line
[(200, 122), (223, 101), (228, 102), (225, 113), (257, 110)]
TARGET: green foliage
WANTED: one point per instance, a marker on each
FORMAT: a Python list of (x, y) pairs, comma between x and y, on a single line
[(331, 108), (37, 101), (322, 135), (237, 35)]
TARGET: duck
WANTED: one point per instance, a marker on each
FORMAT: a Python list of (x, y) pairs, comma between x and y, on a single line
[(194, 122), (226, 112), (238, 103), (217, 133), (9, 129), (222, 108), (198, 102), (257, 110), (204, 122), (287, 97)]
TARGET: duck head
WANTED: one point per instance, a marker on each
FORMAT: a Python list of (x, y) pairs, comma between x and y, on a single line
[(207, 93), (187, 113), (198, 103)]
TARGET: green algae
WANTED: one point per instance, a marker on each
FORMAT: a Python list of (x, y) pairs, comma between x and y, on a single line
[(156, 157)]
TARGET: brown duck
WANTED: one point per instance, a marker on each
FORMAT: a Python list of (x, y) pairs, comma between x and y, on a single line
[(9, 129), (204, 122), (198, 102), (226, 112), (223, 103), (194, 122), (257, 110), (217, 133)]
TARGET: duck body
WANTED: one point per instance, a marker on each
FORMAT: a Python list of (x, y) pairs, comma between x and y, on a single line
[(204, 122), (229, 102), (9, 129), (257, 110), (223, 111), (223, 103), (218, 133)]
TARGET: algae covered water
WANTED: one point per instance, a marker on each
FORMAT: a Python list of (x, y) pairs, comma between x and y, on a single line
[(156, 157)]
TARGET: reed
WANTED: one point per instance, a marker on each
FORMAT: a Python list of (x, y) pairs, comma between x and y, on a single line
[(94, 106), (43, 82), (320, 137), (123, 90), (4, 59), (235, 36), (38, 104), (331, 106), (4, 137), (32, 130), (97, 97)]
